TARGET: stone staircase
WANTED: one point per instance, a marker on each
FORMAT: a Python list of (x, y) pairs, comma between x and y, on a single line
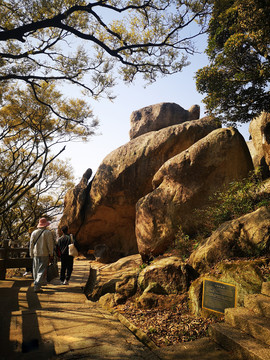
[(246, 331)]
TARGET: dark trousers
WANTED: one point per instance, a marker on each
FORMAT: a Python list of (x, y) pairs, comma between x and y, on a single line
[(66, 267)]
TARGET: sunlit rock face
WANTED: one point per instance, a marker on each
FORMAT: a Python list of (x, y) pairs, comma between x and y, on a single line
[(185, 183), (247, 236), (74, 204), (126, 175), (159, 116), (259, 130)]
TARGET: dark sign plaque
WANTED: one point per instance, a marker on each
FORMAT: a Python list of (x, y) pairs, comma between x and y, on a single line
[(218, 296)]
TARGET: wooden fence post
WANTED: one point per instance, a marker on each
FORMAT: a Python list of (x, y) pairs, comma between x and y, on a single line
[(3, 261)]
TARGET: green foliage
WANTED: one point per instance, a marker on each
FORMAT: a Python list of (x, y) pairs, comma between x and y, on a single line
[(44, 199), (182, 242), (186, 244), (236, 82), (33, 181), (29, 132), (90, 44), (142, 266), (233, 201), (47, 45)]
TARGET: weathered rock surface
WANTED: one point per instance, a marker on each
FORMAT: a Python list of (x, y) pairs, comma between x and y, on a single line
[(256, 159), (74, 204), (246, 275), (246, 236), (159, 116), (185, 183), (124, 177), (169, 275), (259, 130), (119, 278)]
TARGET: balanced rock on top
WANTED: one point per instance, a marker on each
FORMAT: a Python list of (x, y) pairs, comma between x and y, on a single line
[(159, 116)]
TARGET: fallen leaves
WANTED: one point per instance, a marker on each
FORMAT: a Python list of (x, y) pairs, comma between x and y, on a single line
[(167, 326)]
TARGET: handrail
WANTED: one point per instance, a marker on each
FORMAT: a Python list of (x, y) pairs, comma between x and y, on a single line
[(9, 262)]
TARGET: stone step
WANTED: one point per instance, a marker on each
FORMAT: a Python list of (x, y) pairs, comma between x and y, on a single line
[(266, 288), (258, 303), (247, 321), (242, 345)]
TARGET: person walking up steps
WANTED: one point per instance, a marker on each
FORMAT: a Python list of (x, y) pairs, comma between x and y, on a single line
[(41, 250), (66, 259)]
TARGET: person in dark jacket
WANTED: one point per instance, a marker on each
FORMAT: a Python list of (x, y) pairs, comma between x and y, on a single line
[(66, 259)]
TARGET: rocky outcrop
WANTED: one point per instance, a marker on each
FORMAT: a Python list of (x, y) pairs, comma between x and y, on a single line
[(256, 159), (185, 183), (246, 275), (169, 275), (246, 236), (159, 116), (118, 278), (124, 177), (74, 204), (259, 130)]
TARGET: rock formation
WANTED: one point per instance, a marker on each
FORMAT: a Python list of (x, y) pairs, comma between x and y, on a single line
[(185, 183), (125, 176), (246, 236), (246, 275), (159, 116), (116, 278), (170, 275), (260, 133), (74, 204)]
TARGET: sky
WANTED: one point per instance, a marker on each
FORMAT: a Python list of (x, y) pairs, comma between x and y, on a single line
[(114, 116)]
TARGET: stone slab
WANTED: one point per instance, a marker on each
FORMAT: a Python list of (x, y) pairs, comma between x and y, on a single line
[(247, 321), (239, 343), (258, 303)]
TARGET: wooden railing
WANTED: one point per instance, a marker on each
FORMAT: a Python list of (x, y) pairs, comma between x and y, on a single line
[(11, 258)]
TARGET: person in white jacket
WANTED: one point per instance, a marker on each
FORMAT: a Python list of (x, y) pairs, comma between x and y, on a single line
[(41, 249)]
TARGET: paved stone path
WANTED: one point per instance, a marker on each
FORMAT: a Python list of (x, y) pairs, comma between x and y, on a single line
[(61, 323)]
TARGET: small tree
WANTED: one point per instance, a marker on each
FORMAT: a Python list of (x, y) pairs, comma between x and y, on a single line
[(237, 80), (29, 130), (44, 199)]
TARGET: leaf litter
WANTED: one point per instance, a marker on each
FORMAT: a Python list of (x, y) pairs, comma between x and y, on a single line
[(167, 324)]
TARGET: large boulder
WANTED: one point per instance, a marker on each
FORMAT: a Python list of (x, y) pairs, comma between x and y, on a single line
[(246, 236), (125, 176), (119, 277), (163, 283), (185, 183), (259, 130), (168, 275), (159, 116)]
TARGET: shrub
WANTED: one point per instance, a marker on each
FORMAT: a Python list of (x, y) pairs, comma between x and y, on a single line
[(232, 201), (236, 199)]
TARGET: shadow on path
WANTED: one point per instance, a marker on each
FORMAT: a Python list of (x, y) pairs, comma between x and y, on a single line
[(62, 324)]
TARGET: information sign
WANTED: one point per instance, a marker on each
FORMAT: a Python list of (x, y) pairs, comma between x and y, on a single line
[(218, 296)]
